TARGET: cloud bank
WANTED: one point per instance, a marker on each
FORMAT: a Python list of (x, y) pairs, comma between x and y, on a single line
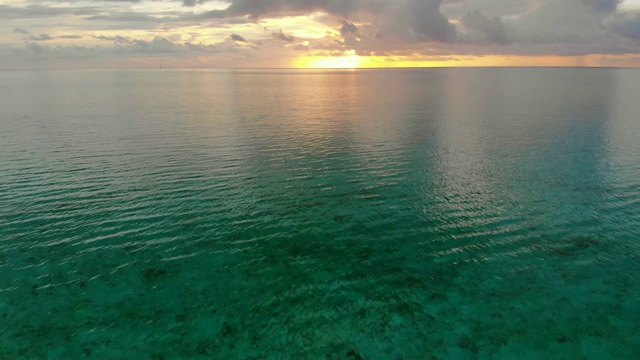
[(273, 32)]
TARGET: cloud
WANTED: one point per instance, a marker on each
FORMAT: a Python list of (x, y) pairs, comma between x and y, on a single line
[(41, 37), (348, 28), (455, 9), (116, 39), (411, 20), (159, 45), (627, 25), (263, 8), (144, 18), (282, 36), (38, 49), (20, 31), (574, 24), (484, 29), (32, 11), (446, 28), (603, 6), (420, 21), (226, 53), (193, 2), (236, 37)]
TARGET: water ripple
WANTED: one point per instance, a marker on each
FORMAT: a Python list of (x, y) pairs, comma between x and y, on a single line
[(331, 224)]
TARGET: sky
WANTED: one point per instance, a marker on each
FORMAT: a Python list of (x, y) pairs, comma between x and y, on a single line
[(318, 33)]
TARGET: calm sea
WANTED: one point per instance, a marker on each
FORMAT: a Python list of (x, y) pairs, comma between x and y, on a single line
[(373, 214)]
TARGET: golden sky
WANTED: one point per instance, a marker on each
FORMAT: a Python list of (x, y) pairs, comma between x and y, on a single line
[(318, 33)]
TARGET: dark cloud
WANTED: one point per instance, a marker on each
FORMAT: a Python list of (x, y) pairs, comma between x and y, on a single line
[(410, 20), (421, 20), (70, 37), (87, 11), (563, 26), (604, 6), (236, 37), (348, 28), (124, 17), (159, 45), (41, 37), (488, 30), (193, 2), (455, 9), (116, 39), (20, 31), (628, 26), (282, 36), (261, 8), (33, 47), (32, 11)]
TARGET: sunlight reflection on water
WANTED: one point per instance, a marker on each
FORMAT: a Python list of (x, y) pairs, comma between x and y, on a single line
[(462, 213)]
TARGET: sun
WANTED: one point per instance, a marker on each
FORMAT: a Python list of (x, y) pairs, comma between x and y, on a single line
[(349, 60), (335, 62)]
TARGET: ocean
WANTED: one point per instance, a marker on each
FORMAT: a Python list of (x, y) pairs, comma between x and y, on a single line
[(320, 214)]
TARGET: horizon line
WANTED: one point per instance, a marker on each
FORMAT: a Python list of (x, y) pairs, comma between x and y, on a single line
[(324, 68)]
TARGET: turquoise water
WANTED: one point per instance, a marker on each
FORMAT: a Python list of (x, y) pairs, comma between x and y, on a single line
[(383, 214)]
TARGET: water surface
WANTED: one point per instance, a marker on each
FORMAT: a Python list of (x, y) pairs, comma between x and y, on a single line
[(377, 214)]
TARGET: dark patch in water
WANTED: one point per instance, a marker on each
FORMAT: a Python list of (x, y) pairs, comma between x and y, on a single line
[(561, 252), (467, 343), (352, 354), (573, 245), (562, 339), (227, 330), (340, 218), (152, 274), (583, 242), (313, 204)]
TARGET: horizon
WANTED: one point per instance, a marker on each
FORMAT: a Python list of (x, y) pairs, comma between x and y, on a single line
[(326, 69)]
